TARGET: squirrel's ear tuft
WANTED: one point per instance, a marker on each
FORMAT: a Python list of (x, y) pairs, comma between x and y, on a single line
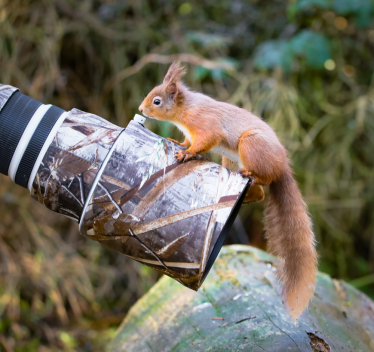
[(175, 72), (172, 89)]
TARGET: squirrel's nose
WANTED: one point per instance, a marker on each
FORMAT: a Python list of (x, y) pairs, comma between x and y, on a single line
[(141, 109)]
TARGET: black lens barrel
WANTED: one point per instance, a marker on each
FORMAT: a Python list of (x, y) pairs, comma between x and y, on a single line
[(14, 119), (36, 144)]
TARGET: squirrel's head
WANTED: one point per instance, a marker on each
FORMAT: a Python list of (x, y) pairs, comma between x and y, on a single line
[(163, 101)]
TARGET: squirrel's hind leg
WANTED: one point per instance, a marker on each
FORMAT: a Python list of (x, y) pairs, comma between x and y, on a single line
[(255, 193), (258, 159)]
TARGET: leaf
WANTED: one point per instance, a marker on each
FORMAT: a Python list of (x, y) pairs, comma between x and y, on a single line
[(144, 180), (346, 7), (96, 137), (51, 194), (218, 74), (363, 9), (143, 157), (172, 247), (313, 46), (67, 165), (151, 169), (272, 54), (106, 225), (200, 73), (208, 40), (364, 19), (307, 4)]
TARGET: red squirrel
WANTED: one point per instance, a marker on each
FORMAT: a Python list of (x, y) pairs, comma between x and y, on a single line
[(243, 138)]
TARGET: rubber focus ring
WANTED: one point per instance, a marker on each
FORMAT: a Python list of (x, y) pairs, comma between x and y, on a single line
[(36, 144), (14, 118)]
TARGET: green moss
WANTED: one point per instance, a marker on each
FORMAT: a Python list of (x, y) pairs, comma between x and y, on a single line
[(184, 323)]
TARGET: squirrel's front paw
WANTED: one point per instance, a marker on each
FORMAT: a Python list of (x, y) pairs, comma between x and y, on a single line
[(183, 155), (174, 141)]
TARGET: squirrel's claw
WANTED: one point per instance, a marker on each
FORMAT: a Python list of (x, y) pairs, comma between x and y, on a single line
[(247, 174), (183, 155)]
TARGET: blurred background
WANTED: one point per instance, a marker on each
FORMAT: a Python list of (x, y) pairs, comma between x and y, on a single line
[(305, 66)]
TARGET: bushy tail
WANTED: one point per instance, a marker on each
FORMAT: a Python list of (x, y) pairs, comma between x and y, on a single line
[(290, 237)]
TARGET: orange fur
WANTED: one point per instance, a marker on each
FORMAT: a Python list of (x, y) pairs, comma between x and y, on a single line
[(247, 140), (255, 193)]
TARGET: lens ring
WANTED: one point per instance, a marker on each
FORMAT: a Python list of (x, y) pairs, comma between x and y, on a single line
[(14, 118), (35, 145)]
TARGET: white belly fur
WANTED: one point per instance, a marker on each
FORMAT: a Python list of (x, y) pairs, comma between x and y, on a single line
[(183, 130), (233, 156), (228, 153)]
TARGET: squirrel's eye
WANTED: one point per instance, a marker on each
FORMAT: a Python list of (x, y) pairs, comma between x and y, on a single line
[(157, 101)]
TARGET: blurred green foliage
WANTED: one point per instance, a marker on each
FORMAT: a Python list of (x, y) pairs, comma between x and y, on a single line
[(305, 66), (360, 11), (312, 49)]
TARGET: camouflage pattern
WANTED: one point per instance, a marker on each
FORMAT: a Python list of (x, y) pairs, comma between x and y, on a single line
[(72, 161), (6, 92), (164, 214), (143, 203)]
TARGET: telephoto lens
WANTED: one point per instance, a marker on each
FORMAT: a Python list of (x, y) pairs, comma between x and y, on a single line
[(123, 186)]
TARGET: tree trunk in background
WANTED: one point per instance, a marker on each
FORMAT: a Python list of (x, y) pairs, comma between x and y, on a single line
[(249, 315)]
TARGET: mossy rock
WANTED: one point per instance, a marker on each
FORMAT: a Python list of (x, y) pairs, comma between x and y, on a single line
[(241, 291)]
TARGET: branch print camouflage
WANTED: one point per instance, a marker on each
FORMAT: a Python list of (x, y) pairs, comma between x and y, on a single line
[(72, 162), (164, 214)]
